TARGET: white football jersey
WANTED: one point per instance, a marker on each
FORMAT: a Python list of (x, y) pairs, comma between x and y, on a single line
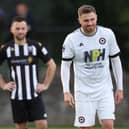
[(90, 56)]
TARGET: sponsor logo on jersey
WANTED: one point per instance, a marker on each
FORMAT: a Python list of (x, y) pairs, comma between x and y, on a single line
[(81, 119), (22, 61), (102, 41), (95, 55), (94, 66), (18, 61)]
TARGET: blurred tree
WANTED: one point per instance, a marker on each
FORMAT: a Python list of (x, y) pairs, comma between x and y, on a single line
[(57, 18)]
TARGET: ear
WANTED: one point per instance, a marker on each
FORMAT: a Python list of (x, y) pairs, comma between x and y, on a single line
[(11, 29), (28, 28), (96, 17)]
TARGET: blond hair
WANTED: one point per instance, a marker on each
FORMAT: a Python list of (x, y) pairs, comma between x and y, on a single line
[(86, 9)]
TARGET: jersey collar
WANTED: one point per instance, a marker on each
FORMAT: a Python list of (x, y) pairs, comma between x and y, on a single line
[(87, 34)]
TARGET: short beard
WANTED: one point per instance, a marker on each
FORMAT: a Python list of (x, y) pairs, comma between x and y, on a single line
[(19, 39)]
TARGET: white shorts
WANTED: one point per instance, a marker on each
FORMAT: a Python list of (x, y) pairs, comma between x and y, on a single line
[(85, 110)]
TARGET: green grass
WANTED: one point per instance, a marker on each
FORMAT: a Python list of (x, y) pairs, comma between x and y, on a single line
[(58, 127)]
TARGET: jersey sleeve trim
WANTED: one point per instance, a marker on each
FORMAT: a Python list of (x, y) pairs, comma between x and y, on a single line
[(67, 59), (115, 55)]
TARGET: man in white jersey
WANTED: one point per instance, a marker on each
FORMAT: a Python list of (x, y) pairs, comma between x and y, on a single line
[(90, 48)]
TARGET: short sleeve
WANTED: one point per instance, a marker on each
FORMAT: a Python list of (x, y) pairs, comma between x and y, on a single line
[(67, 49), (114, 48), (43, 53)]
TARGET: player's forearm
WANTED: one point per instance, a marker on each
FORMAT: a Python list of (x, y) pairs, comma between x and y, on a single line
[(49, 73), (117, 71), (65, 75), (2, 82)]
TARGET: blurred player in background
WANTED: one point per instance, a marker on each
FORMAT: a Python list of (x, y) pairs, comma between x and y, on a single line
[(22, 10)]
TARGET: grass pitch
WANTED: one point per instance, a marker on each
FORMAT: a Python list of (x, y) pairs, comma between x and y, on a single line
[(57, 127)]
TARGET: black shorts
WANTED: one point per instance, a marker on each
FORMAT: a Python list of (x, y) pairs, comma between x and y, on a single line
[(28, 110)]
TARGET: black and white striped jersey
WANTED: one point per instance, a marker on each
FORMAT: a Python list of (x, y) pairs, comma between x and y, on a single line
[(23, 65)]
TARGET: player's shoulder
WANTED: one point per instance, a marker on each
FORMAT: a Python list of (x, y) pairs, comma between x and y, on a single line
[(73, 34), (6, 44), (104, 29), (34, 42), (76, 31)]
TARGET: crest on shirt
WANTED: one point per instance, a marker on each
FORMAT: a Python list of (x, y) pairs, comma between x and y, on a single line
[(30, 59), (102, 40), (81, 119)]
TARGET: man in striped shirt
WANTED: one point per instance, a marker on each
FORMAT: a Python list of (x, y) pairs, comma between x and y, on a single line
[(22, 56)]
